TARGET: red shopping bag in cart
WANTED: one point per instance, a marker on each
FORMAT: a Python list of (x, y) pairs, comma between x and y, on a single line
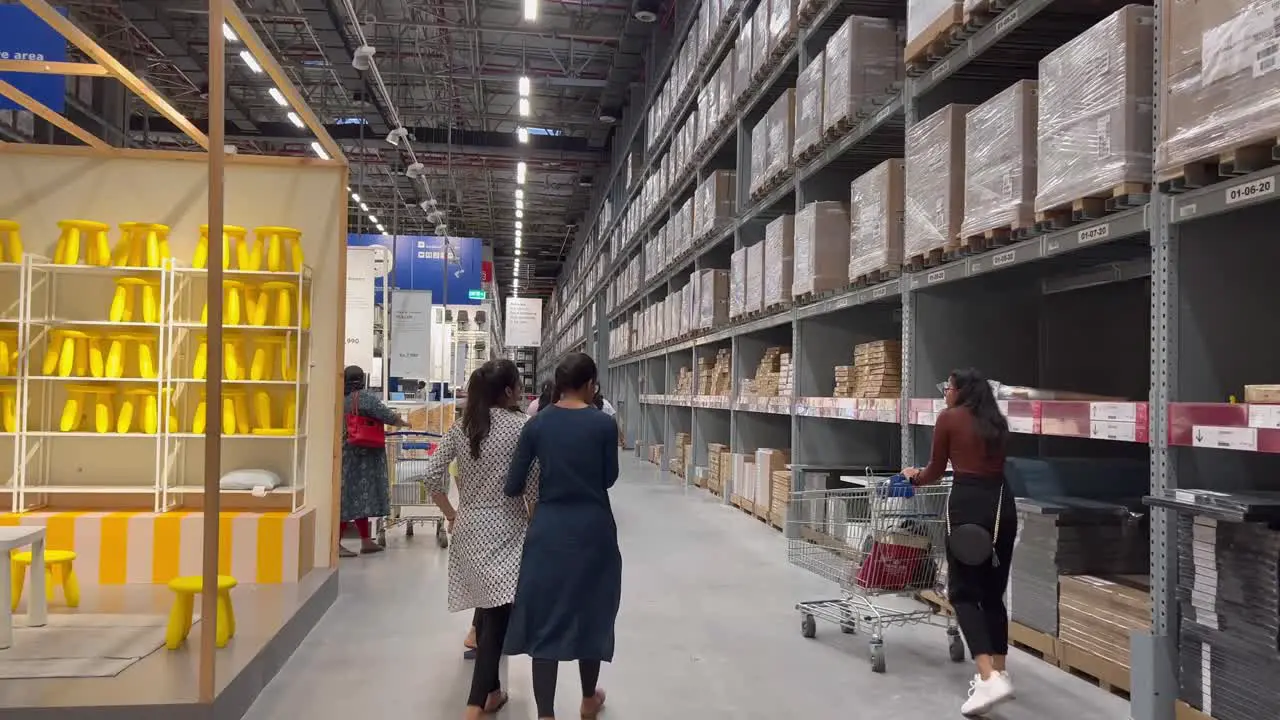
[(896, 562)]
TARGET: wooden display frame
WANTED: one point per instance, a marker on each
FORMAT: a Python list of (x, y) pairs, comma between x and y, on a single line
[(325, 179)]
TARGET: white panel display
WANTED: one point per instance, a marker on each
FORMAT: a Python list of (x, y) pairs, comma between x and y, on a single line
[(523, 322), (360, 308), (411, 334)]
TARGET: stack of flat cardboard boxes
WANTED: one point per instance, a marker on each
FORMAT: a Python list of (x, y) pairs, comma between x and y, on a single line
[(768, 462), (684, 381), (1098, 614), (767, 378), (436, 419), (935, 157), (716, 453), (780, 495), (655, 455), (820, 261), (786, 375), (844, 382), (715, 377), (878, 369), (679, 462)]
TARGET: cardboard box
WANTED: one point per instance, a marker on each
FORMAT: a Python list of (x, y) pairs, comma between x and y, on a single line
[(782, 132), (1262, 394), (810, 91), (759, 154), (742, 60), (713, 298), (1098, 615), (875, 220), (929, 20), (714, 203), (935, 182), (1000, 161), (1094, 125), (755, 278), (821, 246), (779, 249), (862, 61), (737, 283)]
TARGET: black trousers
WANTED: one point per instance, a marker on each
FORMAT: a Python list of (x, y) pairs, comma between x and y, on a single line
[(977, 591), (544, 683), (491, 632)]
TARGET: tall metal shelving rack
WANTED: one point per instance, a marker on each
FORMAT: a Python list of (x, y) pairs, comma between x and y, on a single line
[(1069, 306)]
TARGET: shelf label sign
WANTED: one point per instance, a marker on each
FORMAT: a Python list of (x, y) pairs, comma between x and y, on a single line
[(360, 308), (24, 36), (1227, 438), (1093, 234), (411, 334), (1252, 190)]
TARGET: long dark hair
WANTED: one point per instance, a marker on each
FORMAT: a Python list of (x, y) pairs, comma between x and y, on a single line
[(352, 379), (547, 396), (574, 373), (486, 389), (973, 391)]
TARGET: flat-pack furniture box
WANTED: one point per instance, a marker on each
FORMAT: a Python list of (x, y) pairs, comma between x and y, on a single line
[(1220, 91), (1094, 126), (714, 202), (862, 61), (754, 292), (760, 38), (713, 298), (821, 247), (928, 21), (742, 60), (810, 91), (759, 154), (875, 222), (779, 250), (782, 132), (935, 183), (1000, 162), (737, 283)]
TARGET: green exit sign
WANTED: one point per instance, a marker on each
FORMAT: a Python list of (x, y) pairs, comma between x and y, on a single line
[(475, 294)]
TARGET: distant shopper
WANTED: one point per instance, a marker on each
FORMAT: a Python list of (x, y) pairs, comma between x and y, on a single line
[(603, 405), (365, 484), (571, 580), (982, 524), (545, 398)]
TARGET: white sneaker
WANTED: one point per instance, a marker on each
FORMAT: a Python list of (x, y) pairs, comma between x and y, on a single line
[(1009, 678), (986, 694)]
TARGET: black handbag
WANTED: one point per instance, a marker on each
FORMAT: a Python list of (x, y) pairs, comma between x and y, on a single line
[(971, 544)]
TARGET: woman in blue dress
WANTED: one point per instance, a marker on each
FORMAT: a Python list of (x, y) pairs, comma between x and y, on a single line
[(570, 581)]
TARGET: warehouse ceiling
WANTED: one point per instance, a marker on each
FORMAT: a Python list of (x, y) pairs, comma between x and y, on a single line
[(451, 69)]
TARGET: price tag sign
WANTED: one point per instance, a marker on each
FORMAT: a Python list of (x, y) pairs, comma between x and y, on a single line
[(1264, 416), (1227, 438), (1022, 425), (1103, 430)]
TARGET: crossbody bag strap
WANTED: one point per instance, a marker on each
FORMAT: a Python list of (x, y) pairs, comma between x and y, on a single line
[(995, 530)]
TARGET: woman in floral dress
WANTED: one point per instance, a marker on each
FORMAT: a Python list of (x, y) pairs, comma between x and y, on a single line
[(365, 485)]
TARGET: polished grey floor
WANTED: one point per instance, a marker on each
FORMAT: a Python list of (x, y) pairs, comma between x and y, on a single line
[(707, 631)]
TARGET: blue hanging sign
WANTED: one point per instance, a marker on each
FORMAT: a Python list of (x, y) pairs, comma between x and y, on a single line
[(418, 263), (24, 36)]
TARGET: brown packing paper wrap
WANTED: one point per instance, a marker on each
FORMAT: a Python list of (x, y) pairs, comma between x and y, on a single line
[(934, 165), (875, 222), (1000, 161)]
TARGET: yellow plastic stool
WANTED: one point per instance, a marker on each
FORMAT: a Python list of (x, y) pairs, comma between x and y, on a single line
[(185, 590), (10, 241), (8, 353), (58, 564), (235, 413), (124, 302), (233, 367), (234, 245), (9, 408), (142, 245), (87, 233), (148, 399), (74, 353), (79, 397), (266, 350), (140, 348), (232, 302), (283, 248)]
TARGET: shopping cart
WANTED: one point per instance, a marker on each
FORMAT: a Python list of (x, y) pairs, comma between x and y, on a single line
[(885, 539), (407, 454)]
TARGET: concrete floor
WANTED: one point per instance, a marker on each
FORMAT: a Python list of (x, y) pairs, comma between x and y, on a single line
[(707, 630)]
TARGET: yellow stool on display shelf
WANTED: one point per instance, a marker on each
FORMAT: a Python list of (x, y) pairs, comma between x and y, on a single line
[(124, 302), (185, 590), (142, 245), (59, 569), (82, 233), (9, 408), (235, 413), (233, 367), (10, 241), (232, 302), (234, 245), (266, 350), (282, 248), (8, 353), (73, 353), (102, 397), (141, 348)]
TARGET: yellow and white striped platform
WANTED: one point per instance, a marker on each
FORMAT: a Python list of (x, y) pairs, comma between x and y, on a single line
[(115, 548)]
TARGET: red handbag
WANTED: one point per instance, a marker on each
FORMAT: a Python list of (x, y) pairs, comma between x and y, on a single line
[(364, 432)]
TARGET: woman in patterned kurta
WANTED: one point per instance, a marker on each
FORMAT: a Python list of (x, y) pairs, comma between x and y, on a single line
[(488, 527), (365, 485)]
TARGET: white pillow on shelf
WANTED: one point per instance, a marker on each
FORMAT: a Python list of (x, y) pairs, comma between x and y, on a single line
[(249, 480)]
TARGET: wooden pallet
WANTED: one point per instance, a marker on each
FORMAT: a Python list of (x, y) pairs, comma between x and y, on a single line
[(1109, 676), (838, 130), (998, 237), (1120, 197), (982, 12), (809, 298), (935, 42), (875, 277), (777, 307), (808, 11), (1242, 160), (1036, 643), (809, 153), (1183, 711), (933, 258)]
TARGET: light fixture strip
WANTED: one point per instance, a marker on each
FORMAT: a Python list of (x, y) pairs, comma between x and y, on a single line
[(278, 97), (319, 150), (530, 10), (523, 107), (229, 34), (293, 118), (251, 61)]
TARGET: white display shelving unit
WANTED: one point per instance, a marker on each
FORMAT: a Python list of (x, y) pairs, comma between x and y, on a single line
[(13, 295)]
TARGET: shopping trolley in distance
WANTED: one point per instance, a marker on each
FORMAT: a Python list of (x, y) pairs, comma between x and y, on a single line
[(885, 539), (407, 454)]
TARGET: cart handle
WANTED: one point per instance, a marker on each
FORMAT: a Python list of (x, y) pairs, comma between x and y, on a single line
[(413, 433)]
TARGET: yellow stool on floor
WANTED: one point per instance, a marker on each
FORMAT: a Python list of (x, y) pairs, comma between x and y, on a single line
[(234, 245), (282, 248), (10, 241), (142, 245), (58, 564), (185, 590), (76, 233), (9, 408)]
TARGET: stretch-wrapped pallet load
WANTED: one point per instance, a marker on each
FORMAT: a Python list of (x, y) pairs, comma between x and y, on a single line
[(1094, 122), (1220, 90), (782, 24), (1000, 162), (742, 62), (714, 204), (737, 283), (726, 76), (934, 205), (929, 21), (759, 154), (782, 126), (875, 222), (862, 61), (779, 249), (809, 93), (821, 246), (713, 298), (760, 38), (754, 292)]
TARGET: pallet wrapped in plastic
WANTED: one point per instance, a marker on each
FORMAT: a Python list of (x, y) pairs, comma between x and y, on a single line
[(1000, 162), (754, 293), (782, 131), (713, 298), (760, 38), (809, 94), (779, 249), (1220, 91), (934, 205), (759, 153), (821, 248), (929, 20), (714, 201), (737, 283), (782, 24), (726, 77), (875, 220), (863, 60), (742, 62), (1094, 125)]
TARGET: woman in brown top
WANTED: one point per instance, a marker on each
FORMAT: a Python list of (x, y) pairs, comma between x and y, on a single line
[(972, 433)]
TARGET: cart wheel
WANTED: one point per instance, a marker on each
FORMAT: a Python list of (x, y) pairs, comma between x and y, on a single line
[(849, 626), (877, 657), (809, 627), (408, 529), (956, 647), (382, 537), (442, 537)]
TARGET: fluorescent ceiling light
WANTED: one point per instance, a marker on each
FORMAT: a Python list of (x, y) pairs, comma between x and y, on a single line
[(519, 192), (519, 213), (249, 60), (530, 10), (519, 225), (319, 151), (355, 196), (229, 34), (522, 134), (524, 86), (278, 97), (521, 169), (524, 106), (373, 219), (364, 207), (519, 203), (293, 118)]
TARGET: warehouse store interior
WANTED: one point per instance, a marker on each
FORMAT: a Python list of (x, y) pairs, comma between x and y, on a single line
[(778, 226)]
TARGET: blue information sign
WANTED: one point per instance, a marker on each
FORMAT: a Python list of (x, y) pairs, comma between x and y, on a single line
[(418, 263), (23, 36)]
